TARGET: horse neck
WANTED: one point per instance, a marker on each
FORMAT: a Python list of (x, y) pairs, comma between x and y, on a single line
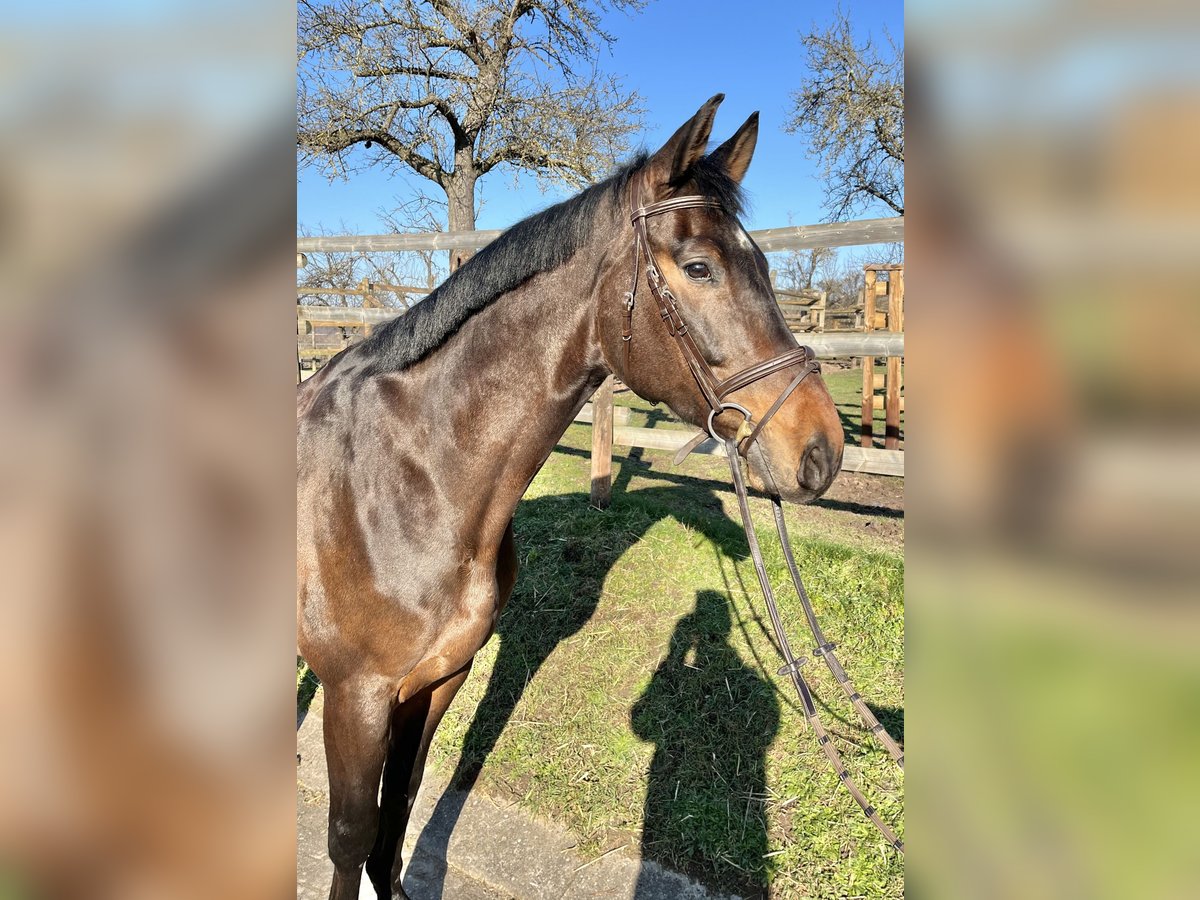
[(511, 381)]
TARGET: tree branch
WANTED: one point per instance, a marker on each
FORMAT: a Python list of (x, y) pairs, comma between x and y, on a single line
[(474, 84), (851, 108)]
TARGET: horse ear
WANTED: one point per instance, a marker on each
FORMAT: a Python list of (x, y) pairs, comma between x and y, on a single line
[(680, 153), (734, 155)]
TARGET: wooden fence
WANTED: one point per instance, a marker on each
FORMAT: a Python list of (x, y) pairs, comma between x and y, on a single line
[(803, 310), (890, 319), (368, 293), (827, 346), (605, 431)]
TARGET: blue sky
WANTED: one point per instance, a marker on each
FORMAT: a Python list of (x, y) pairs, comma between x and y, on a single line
[(749, 51)]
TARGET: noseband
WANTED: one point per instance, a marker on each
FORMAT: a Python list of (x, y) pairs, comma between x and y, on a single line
[(714, 390), (715, 393)]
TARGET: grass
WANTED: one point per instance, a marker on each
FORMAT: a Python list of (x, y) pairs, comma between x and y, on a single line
[(627, 695)]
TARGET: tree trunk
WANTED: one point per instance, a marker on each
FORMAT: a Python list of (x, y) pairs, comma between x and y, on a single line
[(460, 194)]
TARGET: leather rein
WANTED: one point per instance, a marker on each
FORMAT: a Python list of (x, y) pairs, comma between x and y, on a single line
[(716, 392)]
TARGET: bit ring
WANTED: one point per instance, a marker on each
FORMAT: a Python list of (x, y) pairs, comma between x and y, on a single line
[(720, 409)]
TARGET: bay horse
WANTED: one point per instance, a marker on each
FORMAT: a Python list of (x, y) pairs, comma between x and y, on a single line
[(415, 446)]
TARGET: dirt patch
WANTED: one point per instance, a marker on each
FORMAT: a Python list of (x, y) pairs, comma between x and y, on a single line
[(871, 504), (880, 491)]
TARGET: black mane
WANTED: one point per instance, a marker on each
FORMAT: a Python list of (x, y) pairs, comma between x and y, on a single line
[(539, 243)]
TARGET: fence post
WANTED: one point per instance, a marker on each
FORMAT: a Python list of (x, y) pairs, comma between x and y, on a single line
[(368, 302), (602, 440), (301, 262), (867, 437), (891, 439)]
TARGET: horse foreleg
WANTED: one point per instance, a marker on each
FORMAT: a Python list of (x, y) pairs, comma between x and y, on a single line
[(424, 695), (356, 742), (413, 727)]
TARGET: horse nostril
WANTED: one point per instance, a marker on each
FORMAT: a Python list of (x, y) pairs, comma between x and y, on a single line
[(816, 466)]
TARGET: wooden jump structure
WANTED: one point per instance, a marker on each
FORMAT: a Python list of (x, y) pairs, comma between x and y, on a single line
[(890, 319), (803, 310)]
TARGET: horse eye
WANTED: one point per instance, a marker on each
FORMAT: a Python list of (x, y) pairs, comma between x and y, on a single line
[(698, 271)]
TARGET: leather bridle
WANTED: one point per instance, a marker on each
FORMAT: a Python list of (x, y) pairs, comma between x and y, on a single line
[(715, 393)]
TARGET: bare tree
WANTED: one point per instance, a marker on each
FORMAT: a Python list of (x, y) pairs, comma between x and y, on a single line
[(452, 89), (851, 107), (800, 269), (842, 282), (356, 279), (326, 270), (842, 277), (419, 213)]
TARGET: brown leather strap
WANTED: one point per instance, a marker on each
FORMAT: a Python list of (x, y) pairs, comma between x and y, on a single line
[(716, 394), (758, 371), (792, 665), (661, 291), (825, 648), (630, 300), (746, 440), (686, 449), (691, 201)]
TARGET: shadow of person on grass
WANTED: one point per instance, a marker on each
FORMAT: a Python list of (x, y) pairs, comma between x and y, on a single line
[(711, 719)]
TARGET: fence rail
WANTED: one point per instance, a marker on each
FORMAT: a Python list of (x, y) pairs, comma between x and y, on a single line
[(370, 289), (792, 237), (346, 316), (827, 346), (855, 459)]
